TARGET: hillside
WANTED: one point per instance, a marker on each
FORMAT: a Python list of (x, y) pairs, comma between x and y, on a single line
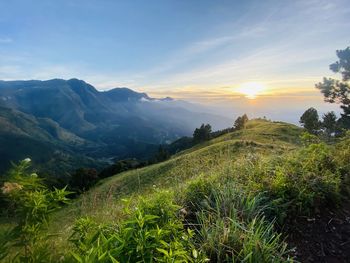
[(74, 119), (246, 195), (104, 203)]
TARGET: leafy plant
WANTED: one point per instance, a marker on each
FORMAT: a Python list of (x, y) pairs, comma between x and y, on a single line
[(33, 203), (152, 233)]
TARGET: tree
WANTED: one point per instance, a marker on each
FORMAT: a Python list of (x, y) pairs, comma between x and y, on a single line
[(83, 179), (162, 154), (240, 122), (310, 121), (338, 91), (202, 134), (329, 123)]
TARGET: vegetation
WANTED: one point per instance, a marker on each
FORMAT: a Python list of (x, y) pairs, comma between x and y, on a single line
[(83, 179), (161, 155), (202, 133), (32, 203), (338, 91), (329, 123), (121, 166), (240, 122), (223, 200), (310, 121)]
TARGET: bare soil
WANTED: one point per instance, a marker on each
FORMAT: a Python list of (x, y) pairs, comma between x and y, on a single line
[(324, 237)]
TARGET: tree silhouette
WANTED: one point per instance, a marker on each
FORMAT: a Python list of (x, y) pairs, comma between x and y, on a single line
[(338, 91), (310, 120), (162, 154), (240, 122), (329, 123), (202, 134)]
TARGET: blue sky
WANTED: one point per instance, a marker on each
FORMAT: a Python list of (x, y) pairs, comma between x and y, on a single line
[(199, 49)]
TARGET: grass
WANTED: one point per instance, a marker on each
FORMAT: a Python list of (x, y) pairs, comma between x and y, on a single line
[(205, 158), (104, 203), (231, 191)]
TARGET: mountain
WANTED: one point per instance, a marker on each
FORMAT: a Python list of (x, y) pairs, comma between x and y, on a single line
[(43, 118)]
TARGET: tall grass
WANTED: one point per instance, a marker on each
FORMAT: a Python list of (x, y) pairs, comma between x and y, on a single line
[(231, 225)]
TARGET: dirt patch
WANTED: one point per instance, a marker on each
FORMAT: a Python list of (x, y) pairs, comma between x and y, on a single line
[(322, 238)]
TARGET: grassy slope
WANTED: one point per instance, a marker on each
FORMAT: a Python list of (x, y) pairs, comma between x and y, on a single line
[(104, 202)]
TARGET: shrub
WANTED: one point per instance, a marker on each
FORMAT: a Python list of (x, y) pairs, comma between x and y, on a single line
[(307, 179), (196, 193), (298, 182), (83, 179), (33, 203), (341, 154), (152, 233)]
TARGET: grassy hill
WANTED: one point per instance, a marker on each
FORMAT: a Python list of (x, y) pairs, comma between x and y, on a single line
[(260, 137), (217, 157), (237, 193)]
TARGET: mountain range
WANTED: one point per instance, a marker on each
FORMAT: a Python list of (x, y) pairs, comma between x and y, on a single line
[(66, 124)]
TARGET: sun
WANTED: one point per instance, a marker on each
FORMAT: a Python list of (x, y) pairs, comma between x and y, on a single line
[(251, 89)]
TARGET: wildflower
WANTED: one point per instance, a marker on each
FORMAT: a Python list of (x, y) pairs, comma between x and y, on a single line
[(10, 187)]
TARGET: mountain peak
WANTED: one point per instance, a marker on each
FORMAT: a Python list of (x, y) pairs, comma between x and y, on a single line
[(125, 94), (80, 86)]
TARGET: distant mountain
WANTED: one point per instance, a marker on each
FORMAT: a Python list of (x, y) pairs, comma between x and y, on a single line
[(72, 118)]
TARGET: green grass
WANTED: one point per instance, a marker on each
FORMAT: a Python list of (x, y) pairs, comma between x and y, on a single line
[(233, 190), (259, 137), (104, 202)]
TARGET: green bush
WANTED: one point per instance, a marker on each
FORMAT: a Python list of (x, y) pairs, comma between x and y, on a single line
[(306, 180), (152, 233), (341, 154), (33, 203), (196, 192)]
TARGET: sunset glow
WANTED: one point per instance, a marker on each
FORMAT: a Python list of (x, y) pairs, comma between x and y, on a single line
[(251, 89)]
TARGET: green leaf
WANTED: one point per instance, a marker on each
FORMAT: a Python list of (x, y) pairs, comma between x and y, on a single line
[(76, 257), (163, 251)]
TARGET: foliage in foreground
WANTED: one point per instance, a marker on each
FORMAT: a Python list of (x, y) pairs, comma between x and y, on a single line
[(33, 203), (231, 225), (227, 227), (152, 233)]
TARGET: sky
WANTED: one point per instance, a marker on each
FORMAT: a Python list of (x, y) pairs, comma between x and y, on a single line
[(199, 50)]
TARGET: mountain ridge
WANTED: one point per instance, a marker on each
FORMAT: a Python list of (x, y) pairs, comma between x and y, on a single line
[(74, 116)]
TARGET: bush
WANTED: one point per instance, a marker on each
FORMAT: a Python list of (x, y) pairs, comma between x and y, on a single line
[(33, 203), (307, 180), (196, 193), (152, 233), (83, 179), (341, 154)]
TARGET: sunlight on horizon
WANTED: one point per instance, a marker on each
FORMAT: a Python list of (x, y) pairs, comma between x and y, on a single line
[(251, 89)]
